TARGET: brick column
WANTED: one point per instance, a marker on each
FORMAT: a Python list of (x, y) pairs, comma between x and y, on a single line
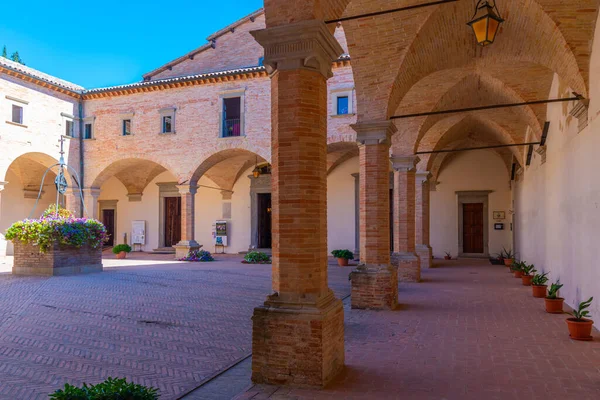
[(298, 333), (188, 222), (3, 242), (73, 200), (90, 201), (375, 281), (422, 245), (404, 257)]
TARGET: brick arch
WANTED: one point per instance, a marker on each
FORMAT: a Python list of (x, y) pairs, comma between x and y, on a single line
[(340, 152), (281, 12), (529, 35), (30, 168), (226, 166), (134, 173)]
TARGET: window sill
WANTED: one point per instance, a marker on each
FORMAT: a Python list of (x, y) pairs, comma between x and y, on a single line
[(16, 124), (166, 133), (131, 134), (90, 138), (232, 137), (342, 115)]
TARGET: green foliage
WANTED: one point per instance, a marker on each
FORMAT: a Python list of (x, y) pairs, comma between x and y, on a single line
[(553, 291), (121, 247), (448, 254), (508, 254), (52, 211), (527, 269), (581, 312), (50, 229), (110, 389), (347, 254), (14, 56), (257, 257), (518, 266), (540, 280), (4, 52)]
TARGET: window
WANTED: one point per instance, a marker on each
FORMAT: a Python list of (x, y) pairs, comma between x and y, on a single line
[(232, 113), (87, 131), (342, 105), (126, 127), (17, 114), (167, 124), (261, 61), (167, 120), (69, 128)]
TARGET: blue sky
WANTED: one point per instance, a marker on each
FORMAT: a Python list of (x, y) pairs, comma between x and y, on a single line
[(111, 42)]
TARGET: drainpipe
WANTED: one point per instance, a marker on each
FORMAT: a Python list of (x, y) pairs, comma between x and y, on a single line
[(81, 164)]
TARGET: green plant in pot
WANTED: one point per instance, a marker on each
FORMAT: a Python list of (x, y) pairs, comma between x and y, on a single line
[(527, 273), (517, 269), (342, 257), (580, 327), (539, 286), (121, 250), (448, 256), (508, 256), (554, 304)]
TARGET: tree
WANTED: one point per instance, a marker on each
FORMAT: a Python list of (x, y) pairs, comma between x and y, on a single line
[(14, 56), (4, 53)]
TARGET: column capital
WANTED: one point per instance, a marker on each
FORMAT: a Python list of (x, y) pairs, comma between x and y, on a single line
[(374, 132), (405, 163), (187, 189), (226, 194), (304, 45), (2, 184), (423, 176)]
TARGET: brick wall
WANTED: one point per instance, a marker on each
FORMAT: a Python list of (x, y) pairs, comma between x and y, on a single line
[(56, 261)]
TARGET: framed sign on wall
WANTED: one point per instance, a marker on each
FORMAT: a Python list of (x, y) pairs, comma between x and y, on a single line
[(499, 215)]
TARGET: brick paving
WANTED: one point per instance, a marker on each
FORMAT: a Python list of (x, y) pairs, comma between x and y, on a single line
[(161, 323), (469, 331)]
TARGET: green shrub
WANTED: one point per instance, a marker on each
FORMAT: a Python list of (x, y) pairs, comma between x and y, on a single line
[(110, 389), (347, 254), (198, 255), (62, 229), (121, 247), (553, 291), (257, 257), (540, 280)]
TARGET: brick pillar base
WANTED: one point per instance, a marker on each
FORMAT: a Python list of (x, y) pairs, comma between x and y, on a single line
[(424, 252), (409, 267), (374, 287), (298, 345), (183, 248)]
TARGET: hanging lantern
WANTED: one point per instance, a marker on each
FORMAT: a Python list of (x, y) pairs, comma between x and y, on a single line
[(256, 170), (485, 22)]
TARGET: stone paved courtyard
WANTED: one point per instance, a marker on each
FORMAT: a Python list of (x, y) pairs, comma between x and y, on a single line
[(162, 323)]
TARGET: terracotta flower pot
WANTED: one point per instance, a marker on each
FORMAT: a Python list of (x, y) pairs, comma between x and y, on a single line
[(518, 274), (526, 279), (342, 262), (508, 261), (554, 306), (447, 258), (539, 291), (121, 255), (580, 329)]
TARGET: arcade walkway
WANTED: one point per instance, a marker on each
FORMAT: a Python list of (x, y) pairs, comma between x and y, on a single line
[(469, 331)]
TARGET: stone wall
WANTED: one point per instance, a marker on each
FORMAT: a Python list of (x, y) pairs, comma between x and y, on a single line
[(56, 261)]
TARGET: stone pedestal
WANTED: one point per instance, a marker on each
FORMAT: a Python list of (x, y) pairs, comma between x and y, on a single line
[(56, 261), (409, 267), (183, 248), (375, 287), (424, 252), (298, 345)]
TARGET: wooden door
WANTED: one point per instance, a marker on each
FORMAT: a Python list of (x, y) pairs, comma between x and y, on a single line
[(108, 219), (473, 228), (172, 221), (264, 220)]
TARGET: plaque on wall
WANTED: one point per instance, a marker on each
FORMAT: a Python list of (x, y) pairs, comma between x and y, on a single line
[(499, 215)]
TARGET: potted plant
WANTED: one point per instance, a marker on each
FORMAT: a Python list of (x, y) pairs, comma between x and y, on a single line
[(342, 257), (539, 285), (554, 304), (448, 256), (121, 250), (109, 389), (508, 256), (580, 328), (517, 269), (527, 271)]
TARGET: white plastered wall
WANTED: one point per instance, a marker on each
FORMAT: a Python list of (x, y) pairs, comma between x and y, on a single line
[(341, 206), (558, 203), (469, 171)]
